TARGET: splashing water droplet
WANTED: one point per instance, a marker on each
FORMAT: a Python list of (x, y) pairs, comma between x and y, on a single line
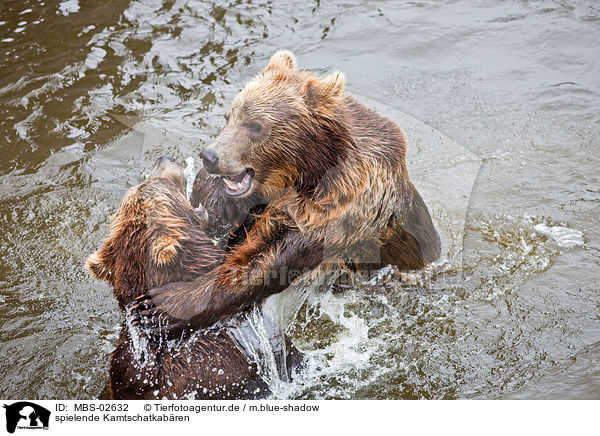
[(564, 237)]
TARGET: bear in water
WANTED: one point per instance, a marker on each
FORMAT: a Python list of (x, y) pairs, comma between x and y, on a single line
[(333, 175), (156, 237)]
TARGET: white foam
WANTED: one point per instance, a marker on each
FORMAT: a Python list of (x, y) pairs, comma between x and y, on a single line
[(68, 7), (95, 57), (22, 127), (351, 349), (563, 236), (386, 271)]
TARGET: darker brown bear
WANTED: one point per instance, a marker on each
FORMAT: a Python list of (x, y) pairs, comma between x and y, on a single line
[(156, 237), (333, 173)]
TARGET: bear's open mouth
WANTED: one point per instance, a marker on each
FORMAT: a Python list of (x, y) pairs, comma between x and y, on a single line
[(240, 184)]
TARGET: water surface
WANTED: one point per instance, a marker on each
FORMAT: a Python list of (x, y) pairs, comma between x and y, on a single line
[(500, 102)]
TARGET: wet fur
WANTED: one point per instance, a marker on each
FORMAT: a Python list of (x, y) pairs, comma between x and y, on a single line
[(154, 238), (334, 175)]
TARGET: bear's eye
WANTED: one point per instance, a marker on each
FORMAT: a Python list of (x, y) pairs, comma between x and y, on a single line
[(254, 127)]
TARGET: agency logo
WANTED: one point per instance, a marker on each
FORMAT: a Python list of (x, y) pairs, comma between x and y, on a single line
[(26, 415)]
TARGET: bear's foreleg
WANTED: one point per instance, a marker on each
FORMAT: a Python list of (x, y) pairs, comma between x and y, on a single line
[(265, 264)]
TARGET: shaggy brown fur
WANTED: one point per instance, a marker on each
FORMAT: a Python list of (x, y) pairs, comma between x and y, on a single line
[(157, 237), (334, 175)]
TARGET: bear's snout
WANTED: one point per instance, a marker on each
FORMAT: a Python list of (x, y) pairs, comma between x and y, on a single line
[(210, 160)]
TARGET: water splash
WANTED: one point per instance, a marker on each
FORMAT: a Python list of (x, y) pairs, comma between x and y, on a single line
[(139, 345), (261, 342), (564, 236), (190, 175), (68, 7)]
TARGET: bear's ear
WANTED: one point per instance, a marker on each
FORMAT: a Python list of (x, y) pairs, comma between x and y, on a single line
[(164, 249), (319, 92), (97, 267), (282, 60)]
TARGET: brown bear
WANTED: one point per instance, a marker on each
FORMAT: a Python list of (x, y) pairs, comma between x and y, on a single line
[(156, 237), (333, 175)]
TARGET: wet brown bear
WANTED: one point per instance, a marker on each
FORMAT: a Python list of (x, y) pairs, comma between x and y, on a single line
[(334, 175), (156, 237)]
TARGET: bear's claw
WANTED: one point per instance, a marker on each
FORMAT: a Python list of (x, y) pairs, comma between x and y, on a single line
[(143, 313)]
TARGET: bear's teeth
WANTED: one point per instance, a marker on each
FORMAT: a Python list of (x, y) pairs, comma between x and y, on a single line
[(201, 211), (234, 186)]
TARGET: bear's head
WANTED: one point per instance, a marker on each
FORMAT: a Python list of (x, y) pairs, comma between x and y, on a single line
[(155, 237), (285, 129)]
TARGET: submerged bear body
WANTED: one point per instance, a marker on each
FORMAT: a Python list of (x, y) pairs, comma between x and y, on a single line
[(156, 237)]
